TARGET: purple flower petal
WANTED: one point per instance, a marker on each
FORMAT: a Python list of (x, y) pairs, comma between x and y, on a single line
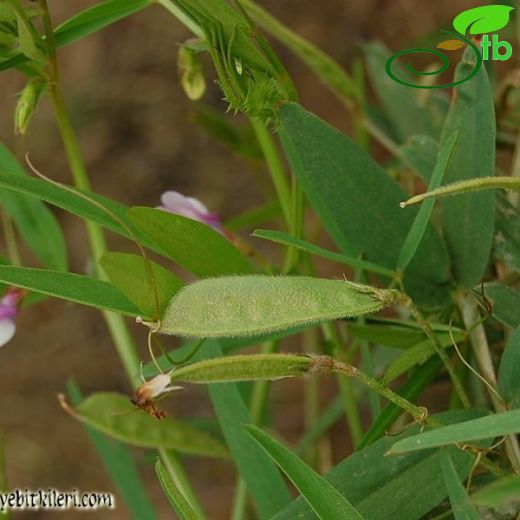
[(189, 207)]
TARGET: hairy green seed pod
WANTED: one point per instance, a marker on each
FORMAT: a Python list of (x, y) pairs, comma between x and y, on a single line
[(251, 367)]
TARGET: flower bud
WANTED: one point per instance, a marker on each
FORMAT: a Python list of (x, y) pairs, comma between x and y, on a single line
[(190, 72), (27, 103)]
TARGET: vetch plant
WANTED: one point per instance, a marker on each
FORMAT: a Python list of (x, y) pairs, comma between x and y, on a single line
[(420, 300)]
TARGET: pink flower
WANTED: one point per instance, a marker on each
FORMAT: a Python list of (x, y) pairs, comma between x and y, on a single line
[(9, 306), (177, 203)]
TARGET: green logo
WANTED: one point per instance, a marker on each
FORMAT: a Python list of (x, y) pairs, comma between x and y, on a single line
[(476, 21)]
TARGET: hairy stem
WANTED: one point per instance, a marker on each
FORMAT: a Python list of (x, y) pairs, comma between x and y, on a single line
[(425, 325)]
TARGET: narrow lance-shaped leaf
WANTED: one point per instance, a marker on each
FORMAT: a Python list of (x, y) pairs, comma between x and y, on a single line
[(69, 286), (460, 502), (177, 500), (416, 233), (483, 428), (390, 488), (326, 501), (284, 238), (114, 415), (247, 305), (87, 205), (468, 220), (352, 194), (38, 227), (194, 246), (141, 280), (86, 22)]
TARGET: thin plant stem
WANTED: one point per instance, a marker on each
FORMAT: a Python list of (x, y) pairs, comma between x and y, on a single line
[(10, 239), (119, 332), (480, 347), (276, 167), (426, 327)]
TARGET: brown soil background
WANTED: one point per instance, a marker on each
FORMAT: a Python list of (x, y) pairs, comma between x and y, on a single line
[(135, 126)]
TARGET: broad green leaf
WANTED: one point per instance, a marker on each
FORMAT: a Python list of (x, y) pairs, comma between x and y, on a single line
[(119, 464), (460, 503), (247, 305), (508, 380), (37, 225), (498, 493), (326, 501), (358, 203), (506, 245), (488, 427), (414, 386), (114, 415), (484, 19), (263, 480), (468, 220), (505, 303), (69, 286), (420, 153), (416, 355), (391, 488), (422, 117), (86, 22), (77, 202), (420, 224), (181, 506), (138, 279), (194, 246), (325, 68), (284, 238)]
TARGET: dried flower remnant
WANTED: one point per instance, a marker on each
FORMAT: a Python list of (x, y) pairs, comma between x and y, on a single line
[(190, 207), (9, 308), (145, 395)]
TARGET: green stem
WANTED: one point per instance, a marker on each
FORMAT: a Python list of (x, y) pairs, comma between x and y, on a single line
[(276, 167), (479, 344), (417, 412), (425, 325), (172, 8)]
